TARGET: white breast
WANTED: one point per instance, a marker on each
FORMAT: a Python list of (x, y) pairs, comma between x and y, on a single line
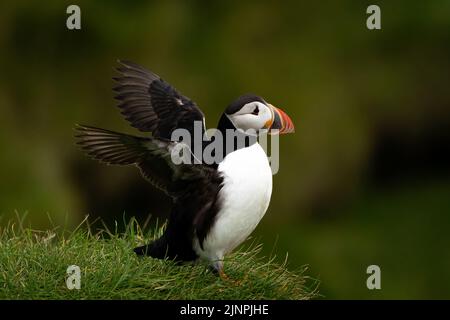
[(245, 197)]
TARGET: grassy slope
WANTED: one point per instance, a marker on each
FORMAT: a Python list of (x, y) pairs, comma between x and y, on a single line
[(33, 266)]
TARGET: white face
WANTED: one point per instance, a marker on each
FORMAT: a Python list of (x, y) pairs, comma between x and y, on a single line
[(254, 115)]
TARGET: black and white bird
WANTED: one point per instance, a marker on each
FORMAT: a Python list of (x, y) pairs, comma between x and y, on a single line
[(215, 206)]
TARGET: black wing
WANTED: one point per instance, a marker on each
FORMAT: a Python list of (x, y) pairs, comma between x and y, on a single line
[(152, 105), (151, 155)]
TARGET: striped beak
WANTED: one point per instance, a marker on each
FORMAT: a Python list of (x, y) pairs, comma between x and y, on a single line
[(281, 123)]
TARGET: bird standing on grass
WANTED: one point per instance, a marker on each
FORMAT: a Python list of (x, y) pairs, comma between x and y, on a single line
[(215, 206)]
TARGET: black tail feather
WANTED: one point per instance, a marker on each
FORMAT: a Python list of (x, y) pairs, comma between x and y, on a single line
[(162, 249), (157, 249), (141, 251)]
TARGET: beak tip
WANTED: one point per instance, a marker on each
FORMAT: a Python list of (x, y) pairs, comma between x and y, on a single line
[(283, 122)]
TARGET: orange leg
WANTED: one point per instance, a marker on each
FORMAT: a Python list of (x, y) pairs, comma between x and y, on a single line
[(219, 267), (223, 275)]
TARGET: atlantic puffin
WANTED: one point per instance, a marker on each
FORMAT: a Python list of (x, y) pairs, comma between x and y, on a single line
[(216, 206)]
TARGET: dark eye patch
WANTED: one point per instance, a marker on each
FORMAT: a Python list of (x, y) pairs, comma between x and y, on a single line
[(256, 111)]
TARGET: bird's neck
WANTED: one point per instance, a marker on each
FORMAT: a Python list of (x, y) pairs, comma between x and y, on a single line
[(233, 139)]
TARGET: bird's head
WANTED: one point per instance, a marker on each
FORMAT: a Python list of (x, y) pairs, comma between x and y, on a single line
[(251, 112)]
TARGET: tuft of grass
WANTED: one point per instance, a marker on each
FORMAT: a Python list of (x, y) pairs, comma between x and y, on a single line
[(33, 265)]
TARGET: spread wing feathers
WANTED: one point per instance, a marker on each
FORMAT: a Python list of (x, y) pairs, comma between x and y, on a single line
[(152, 105), (110, 147), (152, 156)]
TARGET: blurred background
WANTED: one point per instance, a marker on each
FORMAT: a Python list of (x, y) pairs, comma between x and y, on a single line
[(364, 180)]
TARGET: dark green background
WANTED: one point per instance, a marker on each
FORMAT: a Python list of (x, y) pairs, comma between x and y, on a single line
[(365, 178)]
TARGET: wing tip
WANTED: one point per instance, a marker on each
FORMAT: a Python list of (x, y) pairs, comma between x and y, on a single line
[(130, 65), (125, 66)]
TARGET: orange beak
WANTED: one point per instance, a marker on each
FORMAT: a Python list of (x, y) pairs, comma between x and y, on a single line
[(280, 122)]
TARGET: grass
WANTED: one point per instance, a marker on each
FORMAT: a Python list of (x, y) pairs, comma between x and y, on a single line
[(33, 265)]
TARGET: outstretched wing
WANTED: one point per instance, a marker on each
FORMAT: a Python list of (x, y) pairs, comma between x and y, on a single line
[(151, 155), (152, 105)]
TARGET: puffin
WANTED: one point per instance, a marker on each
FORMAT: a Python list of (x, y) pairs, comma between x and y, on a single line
[(216, 206)]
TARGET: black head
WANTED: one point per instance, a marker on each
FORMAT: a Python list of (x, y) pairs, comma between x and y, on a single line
[(240, 102), (251, 112)]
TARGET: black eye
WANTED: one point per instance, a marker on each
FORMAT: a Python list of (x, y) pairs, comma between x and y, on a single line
[(256, 111)]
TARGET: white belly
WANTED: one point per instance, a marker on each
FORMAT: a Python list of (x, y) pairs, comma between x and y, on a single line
[(245, 197)]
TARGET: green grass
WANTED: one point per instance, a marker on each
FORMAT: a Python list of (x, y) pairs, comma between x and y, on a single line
[(33, 265)]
